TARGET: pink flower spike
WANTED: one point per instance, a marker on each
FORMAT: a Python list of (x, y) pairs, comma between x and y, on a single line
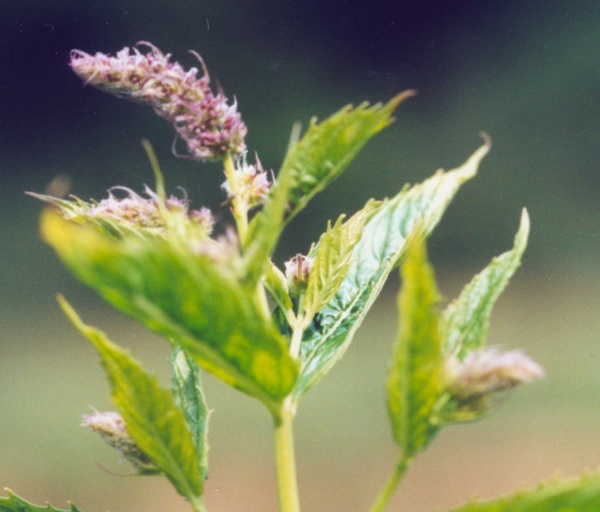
[(209, 127)]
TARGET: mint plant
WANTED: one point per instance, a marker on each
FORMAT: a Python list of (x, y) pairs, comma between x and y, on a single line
[(224, 307)]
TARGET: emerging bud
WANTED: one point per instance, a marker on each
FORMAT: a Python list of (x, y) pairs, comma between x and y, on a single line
[(209, 126), (112, 428), (250, 183), (297, 271), (477, 382)]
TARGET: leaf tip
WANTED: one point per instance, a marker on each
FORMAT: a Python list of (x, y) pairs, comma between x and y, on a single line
[(524, 225)]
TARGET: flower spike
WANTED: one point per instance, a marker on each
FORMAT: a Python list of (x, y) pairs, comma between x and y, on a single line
[(209, 127)]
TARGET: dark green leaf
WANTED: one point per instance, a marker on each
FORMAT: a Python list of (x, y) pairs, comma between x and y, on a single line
[(153, 420), (382, 245), (416, 379), (15, 504), (186, 297)]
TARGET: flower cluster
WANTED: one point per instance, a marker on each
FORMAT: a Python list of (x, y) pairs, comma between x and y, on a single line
[(250, 185), (478, 381), (111, 427), (135, 211), (209, 126)]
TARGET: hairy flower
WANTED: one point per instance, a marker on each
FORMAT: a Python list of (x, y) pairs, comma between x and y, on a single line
[(134, 213), (476, 383), (209, 126), (251, 185), (111, 427)]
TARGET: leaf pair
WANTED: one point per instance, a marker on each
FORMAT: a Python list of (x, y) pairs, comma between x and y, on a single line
[(427, 339), (154, 421), (185, 297), (383, 242)]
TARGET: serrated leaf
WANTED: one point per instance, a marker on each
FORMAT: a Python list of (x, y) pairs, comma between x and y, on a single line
[(310, 165), (382, 245), (416, 378), (153, 420), (574, 495), (185, 297), (187, 388), (327, 148), (15, 504), (466, 319), (333, 256)]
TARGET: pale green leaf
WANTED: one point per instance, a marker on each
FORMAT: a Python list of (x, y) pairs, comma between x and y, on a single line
[(559, 495), (382, 245), (310, 165), (276, 283), (416, 378), (466, 319), (153, 420), (185, 297), (333, 256), (187, 389), (13, 503)]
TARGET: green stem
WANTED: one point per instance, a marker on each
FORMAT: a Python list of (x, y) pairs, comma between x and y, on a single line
[(391, 485), (158, 177), (198, 504), (298, 331), (285, 460), (240, 212)]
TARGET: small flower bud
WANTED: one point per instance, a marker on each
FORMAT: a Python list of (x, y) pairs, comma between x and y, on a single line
[(477, 382), (251, 185), (297, 271), (111, 427)]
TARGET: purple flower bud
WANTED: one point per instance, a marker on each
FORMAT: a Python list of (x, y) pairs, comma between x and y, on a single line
[(297, 271), (208, 126), (111, 427), (476, 383)]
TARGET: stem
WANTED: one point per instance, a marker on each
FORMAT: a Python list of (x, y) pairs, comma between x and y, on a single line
[(285, 460), (298, 331), (160, 181), (198, 504), (391, 485), (240, 213)]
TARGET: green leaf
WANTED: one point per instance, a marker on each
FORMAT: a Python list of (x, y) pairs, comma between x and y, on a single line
[(188, 298), (153, 420), (15, 504), (310, 165), (277, 286), (416, 379), (382, 245), (187, 388), (333, 256), (466, 319), (580, 495), (327, 148)]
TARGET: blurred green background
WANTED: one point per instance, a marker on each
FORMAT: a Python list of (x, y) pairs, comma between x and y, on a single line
[(527, 73)]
